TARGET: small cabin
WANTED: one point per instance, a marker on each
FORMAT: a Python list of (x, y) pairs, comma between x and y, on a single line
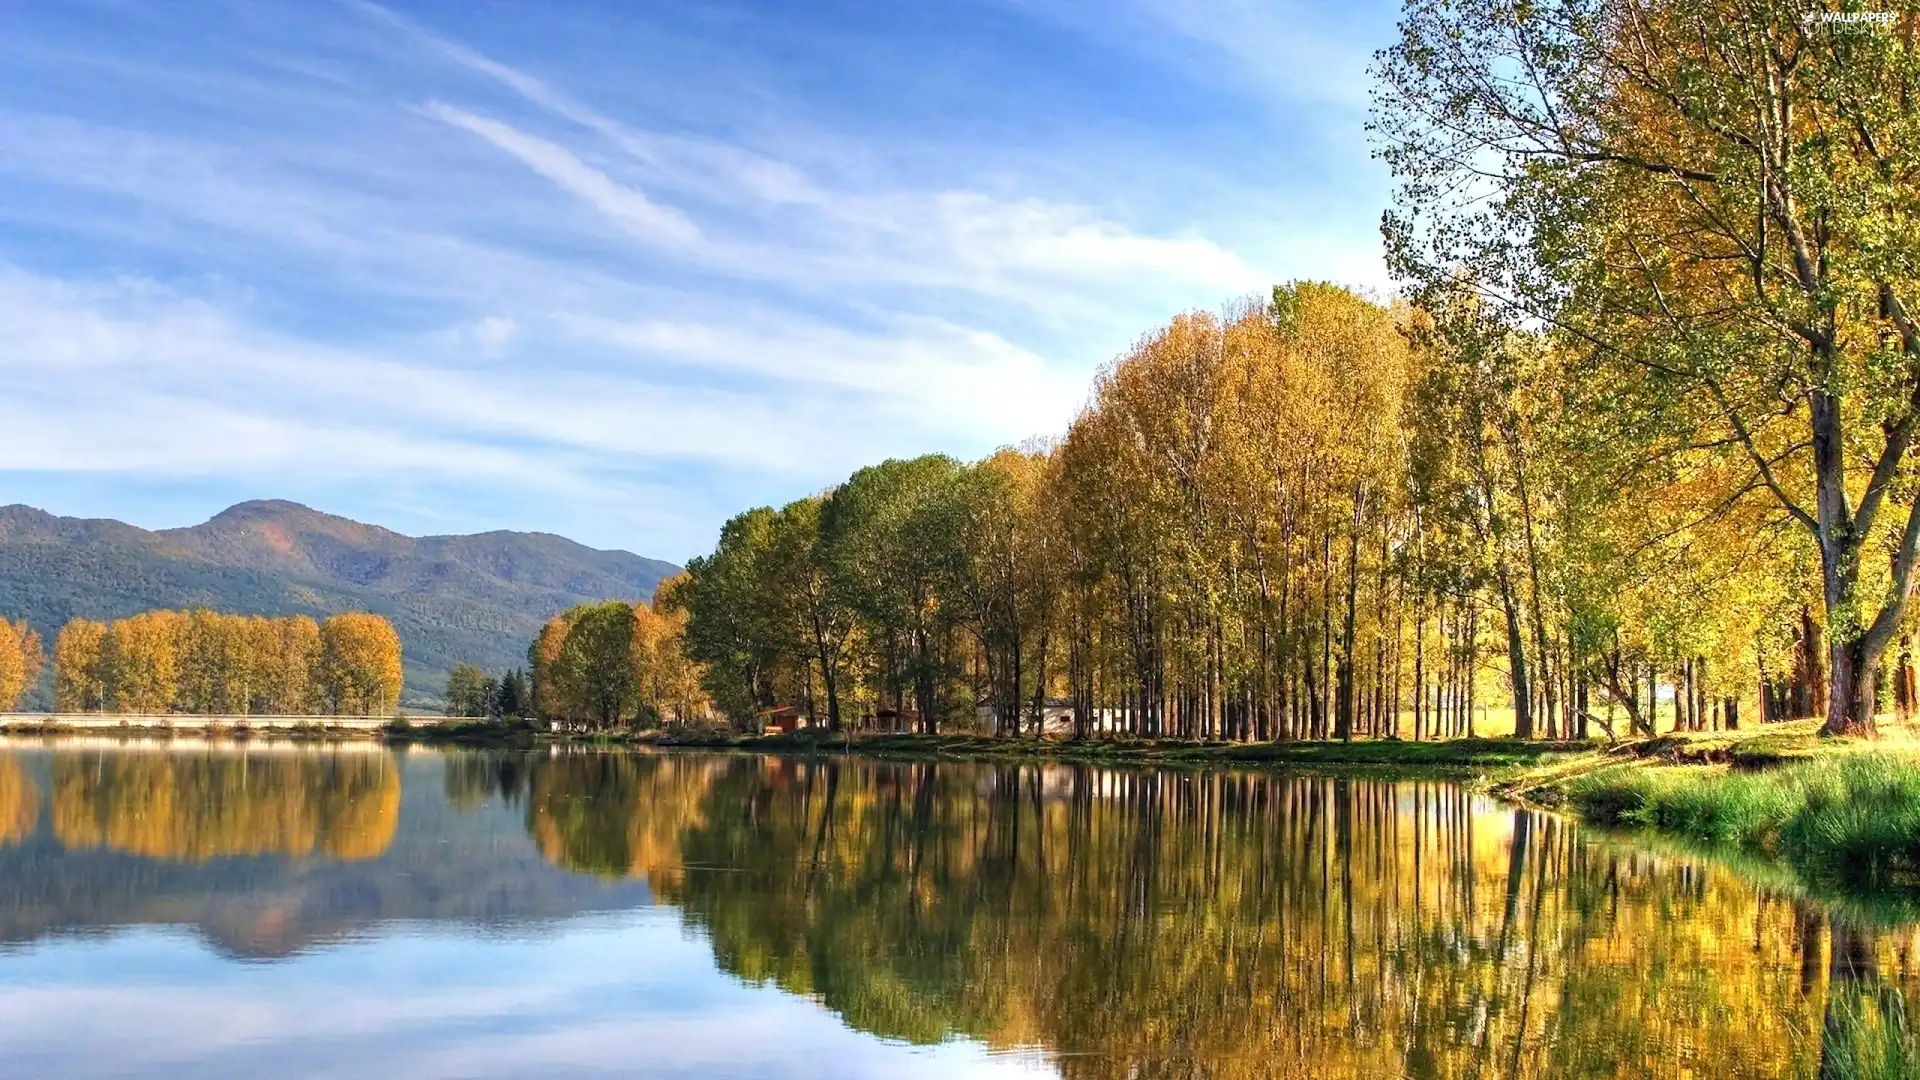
[(785, 719)]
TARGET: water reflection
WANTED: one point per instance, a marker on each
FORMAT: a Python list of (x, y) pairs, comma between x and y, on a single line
[(1140, 924), (265, 851), (619, 815), (186, 805), (1161, 924), (19, 803)]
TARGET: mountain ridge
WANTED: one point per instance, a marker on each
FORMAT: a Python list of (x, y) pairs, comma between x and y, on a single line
[(476, 597)]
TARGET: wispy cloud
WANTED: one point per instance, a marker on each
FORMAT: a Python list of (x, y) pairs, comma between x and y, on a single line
[(632, 209), (344, 246)]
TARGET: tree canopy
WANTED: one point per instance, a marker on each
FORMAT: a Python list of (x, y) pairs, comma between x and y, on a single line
[(210, 662)]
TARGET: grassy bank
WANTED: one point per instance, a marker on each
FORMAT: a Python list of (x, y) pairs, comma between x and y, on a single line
[(1843, 814), (1472, 754)]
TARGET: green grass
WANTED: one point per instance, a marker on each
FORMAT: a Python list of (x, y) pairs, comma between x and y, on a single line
[(1480, 755), (1868, 1037), (1852, 817)]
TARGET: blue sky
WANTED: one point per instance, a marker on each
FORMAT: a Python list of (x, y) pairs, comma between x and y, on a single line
[(618, 270)]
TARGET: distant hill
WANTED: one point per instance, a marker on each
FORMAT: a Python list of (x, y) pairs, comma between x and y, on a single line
[(477, 599)]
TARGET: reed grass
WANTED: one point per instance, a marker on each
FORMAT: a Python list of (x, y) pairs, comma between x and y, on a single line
[(1868, 1036), (1854, 817)]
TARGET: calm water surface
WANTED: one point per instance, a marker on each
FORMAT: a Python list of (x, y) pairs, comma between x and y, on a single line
[(203, 912)]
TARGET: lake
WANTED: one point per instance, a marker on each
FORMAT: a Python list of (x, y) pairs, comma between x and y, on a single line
[(206, 911)]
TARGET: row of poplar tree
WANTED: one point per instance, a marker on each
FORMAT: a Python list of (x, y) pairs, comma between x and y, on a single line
[(22, 656), (210, 662), (1637, 437), (1310, 517)]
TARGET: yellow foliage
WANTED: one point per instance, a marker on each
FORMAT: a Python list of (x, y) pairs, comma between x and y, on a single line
[(194, 806), (360, 672), (211, 662), (19, 803)]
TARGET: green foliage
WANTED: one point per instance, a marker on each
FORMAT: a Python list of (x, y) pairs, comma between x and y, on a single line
[(470, 691), (893, 538), (596, 663), (512, 695), (732, 628)]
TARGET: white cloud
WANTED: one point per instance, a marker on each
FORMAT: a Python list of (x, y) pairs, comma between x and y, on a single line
[(130, 378), (635, 212), (490, 334), (951, 238), (359, 278)]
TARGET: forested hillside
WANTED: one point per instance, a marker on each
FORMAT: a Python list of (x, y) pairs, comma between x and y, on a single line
[(472, 598)]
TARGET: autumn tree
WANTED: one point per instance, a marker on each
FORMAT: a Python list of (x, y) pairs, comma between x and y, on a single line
[(286, 658), (140, 662), (21, 658), (550, 689), (212, 662), (673, 689), (216, 664), (1708, 204), (79, 681), (359, 672)]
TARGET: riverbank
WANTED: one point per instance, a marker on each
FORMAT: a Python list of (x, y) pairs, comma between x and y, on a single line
[(1843, 815), (1501, 755), (1843, 812), (170, 725)]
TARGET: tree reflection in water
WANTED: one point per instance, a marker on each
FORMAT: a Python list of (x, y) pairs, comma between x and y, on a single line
[(204, 803), (19, 803), (1167, 924)]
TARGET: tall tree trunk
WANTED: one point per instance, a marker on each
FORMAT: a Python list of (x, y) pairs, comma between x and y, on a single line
[(1533, 573), (1516, 654), (1344, 729), (1857, 634), (1473, 661), (829, 673), (1420, 666)]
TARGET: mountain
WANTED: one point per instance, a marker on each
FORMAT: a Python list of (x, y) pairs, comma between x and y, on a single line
[(477, 598)]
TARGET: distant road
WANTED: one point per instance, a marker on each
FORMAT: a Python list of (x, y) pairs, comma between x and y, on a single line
[(185, 722)]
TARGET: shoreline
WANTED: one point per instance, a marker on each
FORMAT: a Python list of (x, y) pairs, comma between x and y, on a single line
[(1841, 817), (1452, 755)]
